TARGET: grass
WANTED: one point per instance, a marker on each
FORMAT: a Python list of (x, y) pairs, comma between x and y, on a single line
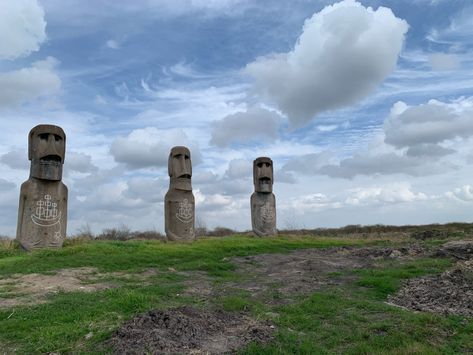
[(207, 254), (352, 318)]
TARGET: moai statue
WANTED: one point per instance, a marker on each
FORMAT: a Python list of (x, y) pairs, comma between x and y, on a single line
[(263, 202), (179, 203), (42, 212)]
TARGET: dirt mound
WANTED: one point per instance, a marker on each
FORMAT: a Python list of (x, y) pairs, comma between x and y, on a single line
[(379, 252), (448, 293), (186, 330), (430, 234), (459, 249)]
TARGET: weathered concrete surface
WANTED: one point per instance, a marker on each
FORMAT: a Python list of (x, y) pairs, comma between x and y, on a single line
[(179, 202), (263, 201), (42, 211)]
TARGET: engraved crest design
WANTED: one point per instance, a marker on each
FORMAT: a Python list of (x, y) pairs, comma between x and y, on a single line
[(46, 213), (268, 214), (185, 213)]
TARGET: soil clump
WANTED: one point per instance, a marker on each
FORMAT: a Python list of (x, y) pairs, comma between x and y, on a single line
[(448, 293), (459, 249), (187, 330)]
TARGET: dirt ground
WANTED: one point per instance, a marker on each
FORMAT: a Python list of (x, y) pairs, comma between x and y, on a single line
[(31, 289), (277, 278), (269, 278), (448, 293), (186, 330)]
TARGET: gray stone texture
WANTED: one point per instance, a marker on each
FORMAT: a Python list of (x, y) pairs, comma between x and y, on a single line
[(263, 201), (179, 202), (42, 211)]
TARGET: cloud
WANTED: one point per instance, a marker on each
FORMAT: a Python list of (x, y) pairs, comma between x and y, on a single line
[(379, 195), (344, 52), (112, 44), (27, 84), (427, 125), (239, 169), (253, 125), (375, 195), (22, 28), (79, 162), (413, 141), (464, 193), (149, 147), (442, 61), (381, 164), (16, 159)]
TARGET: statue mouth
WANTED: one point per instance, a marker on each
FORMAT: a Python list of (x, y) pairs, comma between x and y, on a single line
[(265, 181), (51, 159), (184, 176)]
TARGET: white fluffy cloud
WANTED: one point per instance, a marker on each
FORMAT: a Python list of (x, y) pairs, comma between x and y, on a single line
[(392, 193), (427, 125), (464, 193), (254, 124), (344, 52), (15, 159), (22, 28), (416, 138), (23, 85), (149, 147), (79, 162)]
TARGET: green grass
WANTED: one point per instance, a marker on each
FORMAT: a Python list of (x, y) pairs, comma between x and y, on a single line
[(350, 319), (206, 254)]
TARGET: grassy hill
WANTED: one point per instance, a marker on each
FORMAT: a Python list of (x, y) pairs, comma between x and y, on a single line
[(314, 293)]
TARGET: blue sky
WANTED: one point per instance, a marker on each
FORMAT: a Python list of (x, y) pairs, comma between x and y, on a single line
[(366, 107)]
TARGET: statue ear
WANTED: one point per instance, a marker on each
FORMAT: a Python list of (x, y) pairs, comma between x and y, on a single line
[(30, 144), (170, 164)]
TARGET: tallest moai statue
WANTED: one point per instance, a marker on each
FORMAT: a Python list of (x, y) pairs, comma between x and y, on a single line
[(263, 202), (179, 203), (42, 212)]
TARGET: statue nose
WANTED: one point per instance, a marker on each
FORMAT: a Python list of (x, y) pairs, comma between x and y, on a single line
[(51, 146)]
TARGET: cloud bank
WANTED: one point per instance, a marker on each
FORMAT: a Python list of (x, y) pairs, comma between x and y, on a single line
[(344, 52), (22, 28)]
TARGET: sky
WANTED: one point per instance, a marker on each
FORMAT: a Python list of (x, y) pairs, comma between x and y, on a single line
[(365, 107)]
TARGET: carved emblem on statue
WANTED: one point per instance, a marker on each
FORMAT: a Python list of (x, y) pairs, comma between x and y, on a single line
[(185, 213), (46, 213), (267, 213)]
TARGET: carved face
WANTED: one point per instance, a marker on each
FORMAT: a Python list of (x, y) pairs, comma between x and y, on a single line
[(263, 174), (46, 150), (180, 167)]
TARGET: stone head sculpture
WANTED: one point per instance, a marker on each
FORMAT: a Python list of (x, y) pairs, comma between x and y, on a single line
[(179, 202), (263, 201), (180, 168), (42, 209), (263, 175), (46, 151)]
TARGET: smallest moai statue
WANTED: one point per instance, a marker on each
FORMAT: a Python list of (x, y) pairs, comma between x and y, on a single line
[(179, 203), (263, 202), (42, 211)]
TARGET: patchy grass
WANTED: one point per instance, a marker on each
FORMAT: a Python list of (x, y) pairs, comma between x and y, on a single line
[(351, 318), (207, 254)]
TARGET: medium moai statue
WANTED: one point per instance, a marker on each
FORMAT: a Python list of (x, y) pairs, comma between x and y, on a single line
[(263, 202), (179, 203), (42, 211)]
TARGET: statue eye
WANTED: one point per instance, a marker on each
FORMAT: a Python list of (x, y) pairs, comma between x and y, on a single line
[(43, 136), (178, 156), (267, 165), (260, 165), (187, 157), (57, 138)]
